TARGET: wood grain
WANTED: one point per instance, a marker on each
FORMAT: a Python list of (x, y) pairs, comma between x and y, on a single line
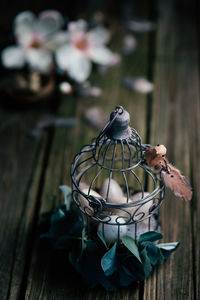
[(47, 277), (175, 72), (31, 171), (18, 161)]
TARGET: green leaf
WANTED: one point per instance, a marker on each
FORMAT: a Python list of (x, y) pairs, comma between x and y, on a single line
[(57, 216), (146, 263), (133, 267), (90, 265), (150, 236), (67, 193), (154, 253), (100, 235), (129, 243), (108, 261), (74, 262), (126, 277), (167, 248)]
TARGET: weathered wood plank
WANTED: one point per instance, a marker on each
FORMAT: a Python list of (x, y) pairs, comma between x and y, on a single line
[(175, 73), (48, 278), (18, 159), (194, 138)]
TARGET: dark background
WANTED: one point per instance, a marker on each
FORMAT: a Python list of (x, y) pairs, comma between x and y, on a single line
[(120, 9)]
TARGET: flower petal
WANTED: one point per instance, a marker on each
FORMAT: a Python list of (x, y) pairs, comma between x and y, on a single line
[(69, 59), (49, 21), (65, 88), (141, 25), (25, 18), (39, 60), (23, 27), (142, 85), (138, 84), (129, 44), (79, 68), (80, 26), (63, 55), (57, 40), (101, 55), (13, 57), (99, 35)]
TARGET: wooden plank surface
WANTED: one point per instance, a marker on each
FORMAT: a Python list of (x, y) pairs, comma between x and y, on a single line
[(31, 171), (176, 70), (19, 157), (44, 279)]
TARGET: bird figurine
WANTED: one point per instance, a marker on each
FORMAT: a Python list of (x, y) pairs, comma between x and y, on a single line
[(171, 176)]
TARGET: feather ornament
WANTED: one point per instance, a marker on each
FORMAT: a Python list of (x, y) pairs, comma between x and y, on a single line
[(177, 183), (171, 176)]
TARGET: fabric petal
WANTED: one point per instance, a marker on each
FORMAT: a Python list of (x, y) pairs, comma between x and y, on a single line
[(101, 55), (39, 60), (13, 57), (49, 21), (23, 27), (99, 35), (69, 59)]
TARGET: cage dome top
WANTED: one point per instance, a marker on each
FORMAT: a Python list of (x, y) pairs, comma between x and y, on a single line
[(118, 142), (111, 182)]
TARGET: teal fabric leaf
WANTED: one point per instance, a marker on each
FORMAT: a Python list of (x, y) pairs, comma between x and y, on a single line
[(57, 216), (100, 235), (109, 261), (167, 248), (134, 267), (90, 267), (83, 239), (146, 263), (154, 253), (126, 277), (151, 236), (65, 226), (122, 264), (67, 193), (129, 243), (46, 235), (73, 261), (110, 283)]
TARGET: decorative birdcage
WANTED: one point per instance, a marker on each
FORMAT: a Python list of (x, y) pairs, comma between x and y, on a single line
[(112, 184)]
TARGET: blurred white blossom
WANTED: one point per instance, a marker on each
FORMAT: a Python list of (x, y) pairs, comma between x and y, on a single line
[(129, 44), (36, 38), (141, 25), (138, 84), (84, 47), (65, 88), (95, 117)]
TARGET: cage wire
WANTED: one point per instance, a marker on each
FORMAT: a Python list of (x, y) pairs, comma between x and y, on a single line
[(111, 182)]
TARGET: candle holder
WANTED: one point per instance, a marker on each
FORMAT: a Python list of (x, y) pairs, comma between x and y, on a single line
[(109, 222), (112, 183)]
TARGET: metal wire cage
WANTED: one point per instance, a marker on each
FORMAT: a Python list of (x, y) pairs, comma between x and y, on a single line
[(111, 183)]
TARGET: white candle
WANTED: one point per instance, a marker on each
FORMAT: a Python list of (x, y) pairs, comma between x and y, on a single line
[(111, 233)]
